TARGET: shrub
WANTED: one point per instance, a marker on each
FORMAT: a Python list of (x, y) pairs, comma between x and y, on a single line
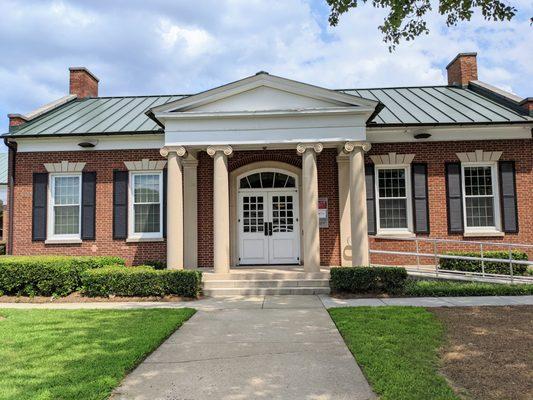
[(47, 275), (421, 288), (140, 281), (157, 264), (501, 268), (368, 279)]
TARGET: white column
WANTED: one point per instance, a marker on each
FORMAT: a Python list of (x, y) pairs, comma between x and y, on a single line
[(311, 233), (190, 216), (174, 206), (358, 214), (220, 207)]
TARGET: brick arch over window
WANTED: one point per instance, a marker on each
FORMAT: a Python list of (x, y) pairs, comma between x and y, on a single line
[(242, 158)]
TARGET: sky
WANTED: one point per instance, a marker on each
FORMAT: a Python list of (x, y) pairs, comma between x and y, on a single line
[(139, 47)]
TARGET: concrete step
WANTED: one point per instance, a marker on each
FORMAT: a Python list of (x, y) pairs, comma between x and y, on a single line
[(265, 283), (219, 292), (262, 276)]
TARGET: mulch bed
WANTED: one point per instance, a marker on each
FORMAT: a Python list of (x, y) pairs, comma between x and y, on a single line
[(489, 351), (78, 298)]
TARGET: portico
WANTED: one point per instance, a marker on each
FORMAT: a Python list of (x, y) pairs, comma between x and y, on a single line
[(272, 222)]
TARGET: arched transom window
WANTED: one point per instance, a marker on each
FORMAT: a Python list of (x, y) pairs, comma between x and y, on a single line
[(267, 180)]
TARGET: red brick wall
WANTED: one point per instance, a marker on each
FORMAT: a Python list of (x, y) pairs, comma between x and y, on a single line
[(103, 162), (436, 155)]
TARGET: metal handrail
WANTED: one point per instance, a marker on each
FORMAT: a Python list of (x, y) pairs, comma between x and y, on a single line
[(436, 256)]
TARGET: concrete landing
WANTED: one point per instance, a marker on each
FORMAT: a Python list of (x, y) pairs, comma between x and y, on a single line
[(288, 349)]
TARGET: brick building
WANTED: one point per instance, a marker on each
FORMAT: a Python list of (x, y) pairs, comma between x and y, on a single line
[(267, 170)]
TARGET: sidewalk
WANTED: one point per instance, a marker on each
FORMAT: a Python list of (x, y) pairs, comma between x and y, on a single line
[(266, 302), (281, 348)]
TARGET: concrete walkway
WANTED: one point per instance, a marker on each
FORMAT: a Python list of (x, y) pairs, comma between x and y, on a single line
[(288, 348), (267, 302)]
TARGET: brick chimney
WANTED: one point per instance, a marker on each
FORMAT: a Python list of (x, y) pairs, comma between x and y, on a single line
[(16, 120), (83, 83), (527, 105), (462, 69)]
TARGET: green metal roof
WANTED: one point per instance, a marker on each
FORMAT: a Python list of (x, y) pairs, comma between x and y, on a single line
[(432, 105), (3, 168)]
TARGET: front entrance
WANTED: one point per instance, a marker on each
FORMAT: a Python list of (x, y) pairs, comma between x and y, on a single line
[(268, 218)]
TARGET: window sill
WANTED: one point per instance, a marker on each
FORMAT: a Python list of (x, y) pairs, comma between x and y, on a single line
[(63, 241), (140, 240), (489, 233), (405, 235)]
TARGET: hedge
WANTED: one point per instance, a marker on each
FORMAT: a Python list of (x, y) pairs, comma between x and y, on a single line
[(47, 275), (425, 288), (501, 268), (140, 281), (367, 279)]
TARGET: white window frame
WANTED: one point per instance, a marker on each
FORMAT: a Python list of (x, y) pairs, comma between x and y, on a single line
[(131, 209), (496, 228), (409, 206), (51, 236)]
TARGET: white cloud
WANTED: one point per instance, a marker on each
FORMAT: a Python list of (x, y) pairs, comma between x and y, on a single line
[(170, 46)]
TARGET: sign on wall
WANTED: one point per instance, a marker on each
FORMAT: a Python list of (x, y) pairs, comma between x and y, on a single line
[(323, 221)]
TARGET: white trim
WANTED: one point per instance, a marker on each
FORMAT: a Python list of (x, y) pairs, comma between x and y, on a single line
[(147, 236), (65, 166), (51, 237), (266, 169), (145, 165), (483, 230), (109, 142), (409, 208), (448, 133)]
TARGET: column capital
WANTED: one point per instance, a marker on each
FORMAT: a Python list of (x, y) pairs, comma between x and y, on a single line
[(179, 150), (226, 149), (351, 146), (316, 147)]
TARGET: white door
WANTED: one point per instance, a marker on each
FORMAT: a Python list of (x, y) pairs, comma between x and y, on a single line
[(284, 246), (253, 242), (268, 228)]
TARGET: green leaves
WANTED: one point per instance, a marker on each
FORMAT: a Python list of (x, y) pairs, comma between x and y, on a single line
[(406, 19), (140, 281)]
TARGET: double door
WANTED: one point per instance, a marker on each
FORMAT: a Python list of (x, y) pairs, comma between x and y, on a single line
[(268, 227)]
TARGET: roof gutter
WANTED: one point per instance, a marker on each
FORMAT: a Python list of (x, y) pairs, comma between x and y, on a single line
[(11, 188)]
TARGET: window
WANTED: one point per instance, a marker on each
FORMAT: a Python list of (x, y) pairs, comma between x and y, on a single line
[(146, 219), (267, 180), (64, 210), (393, 199), (481, 208)]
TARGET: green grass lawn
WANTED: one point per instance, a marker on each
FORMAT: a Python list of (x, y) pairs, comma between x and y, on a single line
[(77, 354), (397, 348)]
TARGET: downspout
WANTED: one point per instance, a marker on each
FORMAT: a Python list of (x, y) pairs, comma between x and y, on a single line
[(11, 187)]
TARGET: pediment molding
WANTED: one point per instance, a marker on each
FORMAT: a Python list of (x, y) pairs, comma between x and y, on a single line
[(337, 99)]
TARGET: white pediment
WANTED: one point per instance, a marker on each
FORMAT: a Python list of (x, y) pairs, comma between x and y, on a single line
[(262, 92), (264, 98)]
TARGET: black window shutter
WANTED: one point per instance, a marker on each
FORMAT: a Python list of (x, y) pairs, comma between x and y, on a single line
[(370, 198), (508, 196), (120, 204), (454, 198), (420, 197), (88, 205), (40, 196), (165, 202)]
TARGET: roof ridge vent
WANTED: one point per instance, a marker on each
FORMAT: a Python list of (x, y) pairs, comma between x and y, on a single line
[(262, 73)]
